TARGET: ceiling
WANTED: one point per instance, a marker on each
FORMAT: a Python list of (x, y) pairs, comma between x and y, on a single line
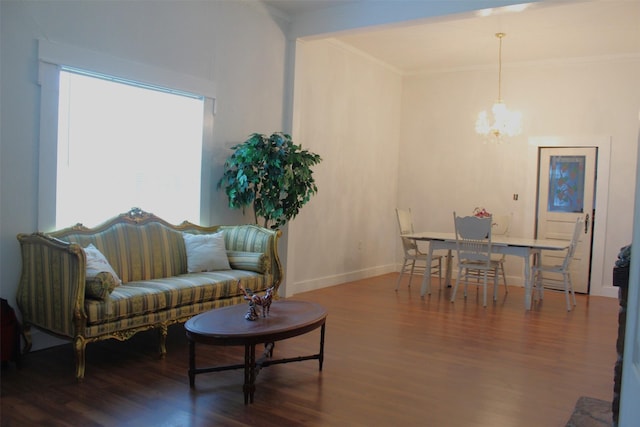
[(296, 7), (546, 31)]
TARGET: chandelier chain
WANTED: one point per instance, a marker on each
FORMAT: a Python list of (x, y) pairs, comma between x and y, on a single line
[(500, 36)]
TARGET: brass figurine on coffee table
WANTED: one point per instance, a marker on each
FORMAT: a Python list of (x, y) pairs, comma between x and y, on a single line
[(256, 300)]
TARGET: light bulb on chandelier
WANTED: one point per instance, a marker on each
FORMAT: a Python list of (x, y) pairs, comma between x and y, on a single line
[(505, 122)]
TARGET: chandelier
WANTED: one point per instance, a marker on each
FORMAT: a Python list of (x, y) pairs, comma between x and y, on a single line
[(505, 122)]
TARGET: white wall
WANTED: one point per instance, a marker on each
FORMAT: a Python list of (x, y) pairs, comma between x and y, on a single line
[(348, 111), (234, 44)]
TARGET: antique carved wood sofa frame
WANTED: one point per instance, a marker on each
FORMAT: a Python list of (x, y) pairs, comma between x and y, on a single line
[(149, 256)]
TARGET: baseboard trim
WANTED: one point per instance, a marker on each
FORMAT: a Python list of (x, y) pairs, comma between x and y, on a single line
[(337, 279)]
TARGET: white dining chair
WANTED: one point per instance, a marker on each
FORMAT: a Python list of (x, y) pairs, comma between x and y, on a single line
[(556, 270), (500, 226), (415, 261), (473, 250)]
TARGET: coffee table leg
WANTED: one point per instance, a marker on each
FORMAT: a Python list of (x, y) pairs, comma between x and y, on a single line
[(321, 355), (192, 363), (249, 386)]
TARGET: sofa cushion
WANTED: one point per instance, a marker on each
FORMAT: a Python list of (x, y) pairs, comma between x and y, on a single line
[(251, 261), (206, 252), (144, 297)]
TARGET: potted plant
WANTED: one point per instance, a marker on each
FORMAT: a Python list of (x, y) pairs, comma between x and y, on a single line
[(271, 173)]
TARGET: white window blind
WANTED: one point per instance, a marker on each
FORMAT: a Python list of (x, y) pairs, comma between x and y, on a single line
[(123, 144)]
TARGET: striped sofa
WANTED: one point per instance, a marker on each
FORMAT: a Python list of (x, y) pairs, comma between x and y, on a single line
[(149, 256)]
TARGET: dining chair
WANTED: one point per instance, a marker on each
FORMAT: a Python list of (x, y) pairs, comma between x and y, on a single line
[(474, 250), (563, 269), (414, 260), (500, 226)]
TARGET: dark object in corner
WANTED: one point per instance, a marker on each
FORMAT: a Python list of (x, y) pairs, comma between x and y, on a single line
[(620, 280), (11, 329)]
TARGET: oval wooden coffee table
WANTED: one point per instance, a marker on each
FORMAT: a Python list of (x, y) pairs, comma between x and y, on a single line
[(227, 326)]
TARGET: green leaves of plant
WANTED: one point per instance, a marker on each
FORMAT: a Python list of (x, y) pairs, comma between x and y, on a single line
[(271, 172)]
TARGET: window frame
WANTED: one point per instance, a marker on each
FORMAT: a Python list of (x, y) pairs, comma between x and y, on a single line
[(52, 57)]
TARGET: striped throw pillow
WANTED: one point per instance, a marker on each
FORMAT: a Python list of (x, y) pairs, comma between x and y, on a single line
[(251, 261)]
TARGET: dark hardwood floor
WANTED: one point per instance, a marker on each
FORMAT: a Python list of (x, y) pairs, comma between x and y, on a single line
[(391, 359)]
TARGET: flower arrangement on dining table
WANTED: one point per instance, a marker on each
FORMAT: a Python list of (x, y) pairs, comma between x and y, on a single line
[(481, 213)]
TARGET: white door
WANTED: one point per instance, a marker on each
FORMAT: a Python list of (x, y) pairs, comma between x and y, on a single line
[(566, 184)]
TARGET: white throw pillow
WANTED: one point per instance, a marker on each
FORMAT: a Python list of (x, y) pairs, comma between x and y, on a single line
[(206, 252), (97, 263)]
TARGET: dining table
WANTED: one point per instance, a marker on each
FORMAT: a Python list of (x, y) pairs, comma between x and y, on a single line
[(523, 247)]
